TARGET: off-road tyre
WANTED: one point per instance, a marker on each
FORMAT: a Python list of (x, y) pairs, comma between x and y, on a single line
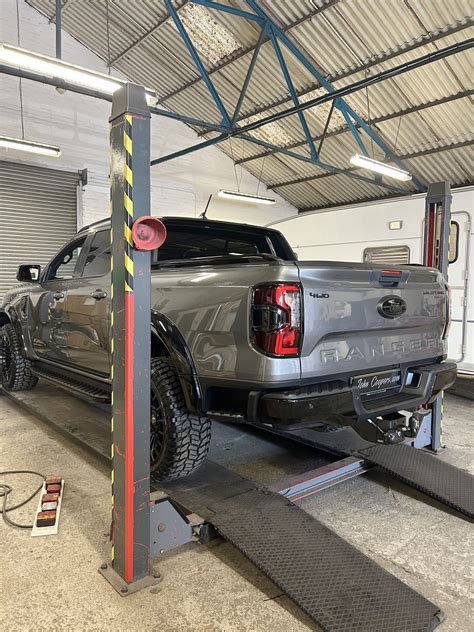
[(15, 369), (179, 439)]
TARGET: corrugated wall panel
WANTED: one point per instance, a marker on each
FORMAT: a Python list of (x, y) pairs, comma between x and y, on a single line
[(38, 214)]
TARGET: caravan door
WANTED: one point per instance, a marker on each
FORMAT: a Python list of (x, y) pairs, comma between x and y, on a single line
[(461, 335)]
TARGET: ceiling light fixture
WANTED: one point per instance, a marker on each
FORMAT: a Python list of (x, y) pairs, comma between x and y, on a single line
[(59, 69), (27, 145), (380, 167), (245, 197)]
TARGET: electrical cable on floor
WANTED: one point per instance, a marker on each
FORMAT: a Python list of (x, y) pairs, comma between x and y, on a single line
[(5, 490)]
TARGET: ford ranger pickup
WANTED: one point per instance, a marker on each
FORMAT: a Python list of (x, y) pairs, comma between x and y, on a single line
[(241, 331)]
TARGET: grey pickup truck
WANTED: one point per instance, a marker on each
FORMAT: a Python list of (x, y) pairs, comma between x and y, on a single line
[(241, 332)]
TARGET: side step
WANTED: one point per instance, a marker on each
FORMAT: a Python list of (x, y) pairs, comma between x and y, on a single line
[(332, 581), (86, 391)]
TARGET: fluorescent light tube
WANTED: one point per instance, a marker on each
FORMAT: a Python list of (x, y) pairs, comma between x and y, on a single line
[(27, 145), (380, 167), (59, 69), (245, 197)]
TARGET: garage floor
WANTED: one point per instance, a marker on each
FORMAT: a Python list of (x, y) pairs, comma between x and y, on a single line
[(52, 583)]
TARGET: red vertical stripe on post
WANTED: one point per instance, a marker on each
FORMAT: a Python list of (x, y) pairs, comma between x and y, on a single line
[(129, 429), (431, 236)]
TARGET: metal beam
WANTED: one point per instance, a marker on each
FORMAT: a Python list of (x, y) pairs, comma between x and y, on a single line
[(246, 51), (374, 121), (354, 129), (292, 91), (310, 67), (375, 60), (325, 130), (332, 169), (225, 8), (65, 5), (348, 171), (58, 28), (189, 120), (340, 92), (197, 60), (250, 69), (188, 150)]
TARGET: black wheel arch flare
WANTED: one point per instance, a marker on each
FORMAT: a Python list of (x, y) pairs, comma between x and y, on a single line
[(166, 335)]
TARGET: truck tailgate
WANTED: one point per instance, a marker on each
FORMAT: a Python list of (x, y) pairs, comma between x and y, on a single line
[(360, 317)]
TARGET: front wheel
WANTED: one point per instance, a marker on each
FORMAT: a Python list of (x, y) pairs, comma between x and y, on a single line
[(179, 440), (15, 369)]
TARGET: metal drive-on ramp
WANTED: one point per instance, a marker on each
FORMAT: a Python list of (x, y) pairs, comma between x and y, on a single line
[(332, 581), (427, 473), (424, 471)]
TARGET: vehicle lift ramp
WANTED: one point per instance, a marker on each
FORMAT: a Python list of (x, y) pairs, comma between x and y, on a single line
[(338, 586)]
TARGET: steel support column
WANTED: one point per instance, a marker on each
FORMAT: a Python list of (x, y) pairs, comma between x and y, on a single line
[(58, 27), (130, 318), (436, 255)]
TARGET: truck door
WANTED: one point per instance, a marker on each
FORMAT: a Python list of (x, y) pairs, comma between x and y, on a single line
[(48, 311), (88, 308)]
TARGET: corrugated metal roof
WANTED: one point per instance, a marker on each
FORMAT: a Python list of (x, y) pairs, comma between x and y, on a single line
[(345, 40)]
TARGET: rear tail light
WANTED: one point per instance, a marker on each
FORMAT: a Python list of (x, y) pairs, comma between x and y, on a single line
[(448, 313), (276, 319)]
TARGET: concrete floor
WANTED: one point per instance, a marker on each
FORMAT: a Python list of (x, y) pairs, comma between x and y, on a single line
[(53, 583)]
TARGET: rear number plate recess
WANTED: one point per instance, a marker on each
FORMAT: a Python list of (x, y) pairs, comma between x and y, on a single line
[(377, 383)]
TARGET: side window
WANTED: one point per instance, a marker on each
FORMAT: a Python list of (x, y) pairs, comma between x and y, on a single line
[(64, 266), (453, 242), (98, 258), (397, 255)]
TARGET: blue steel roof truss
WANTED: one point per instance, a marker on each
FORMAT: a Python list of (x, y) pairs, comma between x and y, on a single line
[(228, 125)]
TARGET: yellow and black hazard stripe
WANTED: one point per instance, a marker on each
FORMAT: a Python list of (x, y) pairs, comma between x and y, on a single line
[(112, 474), (128, 201)]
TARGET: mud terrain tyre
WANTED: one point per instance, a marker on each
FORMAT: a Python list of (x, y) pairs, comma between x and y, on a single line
[(179, 440), (15, 370)]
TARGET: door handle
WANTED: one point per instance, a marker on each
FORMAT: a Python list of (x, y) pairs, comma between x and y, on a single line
[(99, 294), (58, 296)]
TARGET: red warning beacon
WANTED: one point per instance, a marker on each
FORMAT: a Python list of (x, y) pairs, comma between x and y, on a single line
[(148, 233)]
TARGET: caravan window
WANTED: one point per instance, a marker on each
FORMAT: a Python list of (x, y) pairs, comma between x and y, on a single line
[(396, 255)]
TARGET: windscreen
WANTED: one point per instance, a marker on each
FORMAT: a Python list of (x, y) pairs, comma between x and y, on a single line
[(206, 241)]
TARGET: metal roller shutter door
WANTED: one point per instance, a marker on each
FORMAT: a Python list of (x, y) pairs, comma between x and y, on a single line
[(38, 214)]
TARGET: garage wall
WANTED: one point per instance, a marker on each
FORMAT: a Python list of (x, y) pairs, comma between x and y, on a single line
[(80, 126)]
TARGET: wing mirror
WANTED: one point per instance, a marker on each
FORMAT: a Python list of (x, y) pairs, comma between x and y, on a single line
[(29, 273)]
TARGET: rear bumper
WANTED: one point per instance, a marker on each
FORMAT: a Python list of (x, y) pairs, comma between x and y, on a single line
[(313, 404)]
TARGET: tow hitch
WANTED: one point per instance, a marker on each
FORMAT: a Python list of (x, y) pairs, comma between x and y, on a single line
[(391, 429)]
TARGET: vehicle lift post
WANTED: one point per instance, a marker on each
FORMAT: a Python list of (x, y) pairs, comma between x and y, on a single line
[(436, 255), (130, 567), (144, 524)]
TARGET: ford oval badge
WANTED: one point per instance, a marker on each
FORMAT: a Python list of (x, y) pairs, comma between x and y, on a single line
[(391, 307)]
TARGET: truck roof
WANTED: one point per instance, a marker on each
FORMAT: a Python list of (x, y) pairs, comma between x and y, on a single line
[(188, 221)]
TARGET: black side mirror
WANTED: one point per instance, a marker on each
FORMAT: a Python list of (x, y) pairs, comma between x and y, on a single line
[(28, 273)]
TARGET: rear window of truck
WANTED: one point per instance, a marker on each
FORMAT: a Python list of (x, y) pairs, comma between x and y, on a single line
[(207, 241)]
